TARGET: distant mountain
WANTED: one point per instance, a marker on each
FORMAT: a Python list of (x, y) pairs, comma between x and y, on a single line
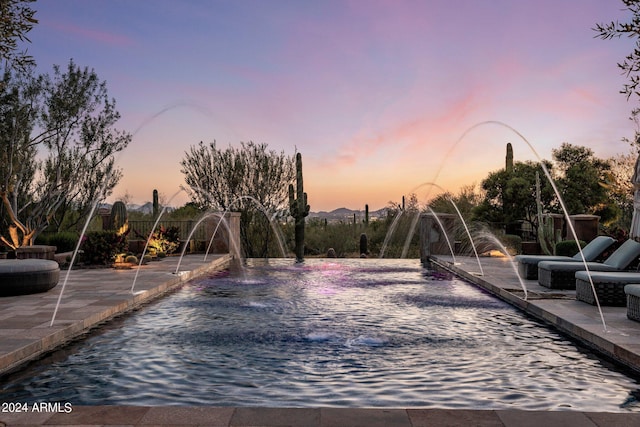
[(336, 214), (340, 211), (146, 208), (347, 214)]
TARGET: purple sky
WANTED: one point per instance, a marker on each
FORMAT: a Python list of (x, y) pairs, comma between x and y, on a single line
[(376, 95)]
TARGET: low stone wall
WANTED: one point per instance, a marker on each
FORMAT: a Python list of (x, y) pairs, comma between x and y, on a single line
[(36, 252), (436, 234)]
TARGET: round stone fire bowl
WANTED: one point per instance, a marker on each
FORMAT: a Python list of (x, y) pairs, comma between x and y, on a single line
[(27, 276)]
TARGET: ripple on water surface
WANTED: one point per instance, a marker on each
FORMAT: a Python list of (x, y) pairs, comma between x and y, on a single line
[(365, 333)]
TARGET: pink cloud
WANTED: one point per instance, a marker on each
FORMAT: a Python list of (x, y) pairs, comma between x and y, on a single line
[(101, 37), (410, 134)]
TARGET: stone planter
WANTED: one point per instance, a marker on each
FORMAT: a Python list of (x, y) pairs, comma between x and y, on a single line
[(531, 248), (36, 252)]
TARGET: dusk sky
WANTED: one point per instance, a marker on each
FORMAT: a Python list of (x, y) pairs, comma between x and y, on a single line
[(376, 95)]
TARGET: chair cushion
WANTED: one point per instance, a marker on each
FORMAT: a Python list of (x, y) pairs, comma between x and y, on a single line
[(595, 248), (528, 264), (624, 255)]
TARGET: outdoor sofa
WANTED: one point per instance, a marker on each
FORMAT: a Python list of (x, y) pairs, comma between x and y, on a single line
[(561, 275), (528, 264)]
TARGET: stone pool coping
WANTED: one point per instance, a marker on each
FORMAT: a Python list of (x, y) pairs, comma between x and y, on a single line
[(316, 417), (91, 297), (94, 296)]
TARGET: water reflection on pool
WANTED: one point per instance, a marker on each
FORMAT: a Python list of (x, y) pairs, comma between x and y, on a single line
[(350, 333)]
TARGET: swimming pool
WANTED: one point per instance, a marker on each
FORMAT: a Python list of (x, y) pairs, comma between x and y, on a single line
[(346, 333)]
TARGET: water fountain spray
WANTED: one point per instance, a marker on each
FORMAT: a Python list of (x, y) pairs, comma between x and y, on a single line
[(232, 242), (464, 223), (444, 232), (555, 189), (153, 229), (262, 209), (100, 196)]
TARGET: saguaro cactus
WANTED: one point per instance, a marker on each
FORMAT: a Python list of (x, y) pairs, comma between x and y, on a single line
[(298, 208), (547, 236), (156, 205), (364, 248), (366, 215), (118, 218), (509, 158)]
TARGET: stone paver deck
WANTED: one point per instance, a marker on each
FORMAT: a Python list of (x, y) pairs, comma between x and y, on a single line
[(316, 417), (92, 297)]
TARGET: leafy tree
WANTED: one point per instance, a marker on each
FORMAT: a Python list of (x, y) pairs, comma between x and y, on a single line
[(620, 189), (511, 196), (580, 180), (250, 179), (466, 201), (57, 148), (586, 184), (17, 19)]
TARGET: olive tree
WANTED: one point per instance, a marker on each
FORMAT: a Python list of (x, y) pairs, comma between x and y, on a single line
[(630, 65), (17, 18), (620, 188), (249, 179), (57, 147)]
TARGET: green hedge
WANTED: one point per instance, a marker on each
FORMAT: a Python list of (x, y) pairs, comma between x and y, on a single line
[(568, 247), (64, 241)]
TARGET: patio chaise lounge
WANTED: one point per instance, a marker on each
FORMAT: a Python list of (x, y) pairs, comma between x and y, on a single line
[(633, 301), (609, 286), (528, 264), (561, 275)]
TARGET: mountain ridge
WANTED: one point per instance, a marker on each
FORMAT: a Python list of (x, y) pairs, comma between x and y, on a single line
[(338, 213)]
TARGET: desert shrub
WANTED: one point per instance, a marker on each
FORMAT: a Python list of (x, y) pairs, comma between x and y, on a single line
[(259, 239), (101, 247), (131, 259), (339, 236), (165, 240), (344, 238), (379, 231)]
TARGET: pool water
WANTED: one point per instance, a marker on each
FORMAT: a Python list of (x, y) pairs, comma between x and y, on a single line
[(343, 333)]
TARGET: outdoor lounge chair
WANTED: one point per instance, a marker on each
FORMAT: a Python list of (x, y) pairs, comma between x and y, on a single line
[(561, 275), (633, 301), (609, 286), (528, 264)]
